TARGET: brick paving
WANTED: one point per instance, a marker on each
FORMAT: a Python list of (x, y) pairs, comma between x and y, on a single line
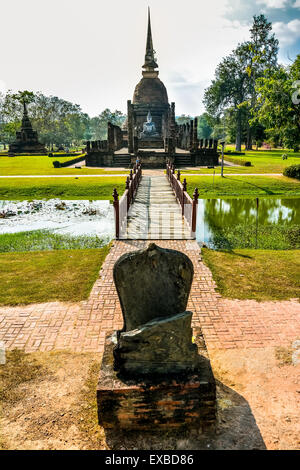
[(226, 324)]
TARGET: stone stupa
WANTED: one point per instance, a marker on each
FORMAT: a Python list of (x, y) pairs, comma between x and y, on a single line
[(26, 139)]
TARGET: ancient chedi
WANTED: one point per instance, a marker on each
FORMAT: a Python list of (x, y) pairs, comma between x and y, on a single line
[(150, 131), (149, 112), (26, 139), (152, 372)]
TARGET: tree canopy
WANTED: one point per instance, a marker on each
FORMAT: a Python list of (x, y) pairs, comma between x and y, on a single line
[(233, 92), (278, 94), (57, 121)]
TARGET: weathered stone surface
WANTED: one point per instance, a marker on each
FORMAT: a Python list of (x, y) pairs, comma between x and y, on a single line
[(149, 91), (166, 403), (153, 286), (152, 283), (162, 346)]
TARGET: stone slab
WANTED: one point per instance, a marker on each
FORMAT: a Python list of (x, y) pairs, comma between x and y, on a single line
[(164, 403)]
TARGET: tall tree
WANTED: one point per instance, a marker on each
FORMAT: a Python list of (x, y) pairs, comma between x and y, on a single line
[(98, 124), (204, 128), (228, 90), (278, 93), (258, 54), (236, 76)]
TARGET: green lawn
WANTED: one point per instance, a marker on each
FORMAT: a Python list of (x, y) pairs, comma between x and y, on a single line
[(61, 275), (43, 165), (255, 274), (102, 187), (45, 240), (64, 188), (243, 186), (268, 161)]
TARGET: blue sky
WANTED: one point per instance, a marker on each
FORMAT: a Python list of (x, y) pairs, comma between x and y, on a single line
[(284, 15), (91, 52)]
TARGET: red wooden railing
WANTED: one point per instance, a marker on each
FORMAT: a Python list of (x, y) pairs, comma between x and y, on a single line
[(188, 205), (121, 207)]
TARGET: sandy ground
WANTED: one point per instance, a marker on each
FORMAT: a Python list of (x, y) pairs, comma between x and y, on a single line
[(258, 406)]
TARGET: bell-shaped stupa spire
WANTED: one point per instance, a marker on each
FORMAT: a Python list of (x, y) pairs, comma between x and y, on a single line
[(150, 62)]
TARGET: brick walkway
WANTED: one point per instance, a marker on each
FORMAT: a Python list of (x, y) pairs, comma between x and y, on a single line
[(82, 326)]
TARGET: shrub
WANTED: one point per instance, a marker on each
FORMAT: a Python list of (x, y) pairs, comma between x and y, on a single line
[(239, 161), (230, 152), (292, 171)]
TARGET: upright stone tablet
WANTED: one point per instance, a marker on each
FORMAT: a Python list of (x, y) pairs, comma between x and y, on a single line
[(153, 372), (153, 287)]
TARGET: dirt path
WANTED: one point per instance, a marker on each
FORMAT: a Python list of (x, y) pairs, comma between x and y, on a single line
[(257, 398)]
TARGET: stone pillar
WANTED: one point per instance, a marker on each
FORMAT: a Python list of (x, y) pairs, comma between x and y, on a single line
[(184, 139), (130, 126), (191, 135), (110, 137), (172, 136), (195, 135)]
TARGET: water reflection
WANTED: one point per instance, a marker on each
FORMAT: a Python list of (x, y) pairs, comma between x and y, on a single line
[(214, 214), (83, 217)]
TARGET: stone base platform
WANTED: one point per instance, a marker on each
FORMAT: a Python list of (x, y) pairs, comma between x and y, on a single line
[(151, 158), (166, 403)]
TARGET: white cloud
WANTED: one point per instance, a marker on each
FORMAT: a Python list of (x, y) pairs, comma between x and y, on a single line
[(296, 4), (273, 3), (287, 33)]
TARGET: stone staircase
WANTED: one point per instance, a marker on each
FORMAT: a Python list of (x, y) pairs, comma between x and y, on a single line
[(122, 160), (183, 159)]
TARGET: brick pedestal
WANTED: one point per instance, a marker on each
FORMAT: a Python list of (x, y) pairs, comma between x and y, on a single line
[(165, 403)]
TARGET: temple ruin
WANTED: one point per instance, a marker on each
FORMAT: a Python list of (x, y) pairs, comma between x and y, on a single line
[(150, 131), (26, 139)]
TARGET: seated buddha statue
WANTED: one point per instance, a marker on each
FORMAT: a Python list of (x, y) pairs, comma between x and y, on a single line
[(149, 129)]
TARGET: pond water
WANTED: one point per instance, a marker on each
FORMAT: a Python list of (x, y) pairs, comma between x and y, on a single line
[(83, 217), (66, 217), (232, 212)]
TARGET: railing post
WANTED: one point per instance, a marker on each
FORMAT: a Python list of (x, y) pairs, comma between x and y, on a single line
[(130, 186), (178, 175), (128, 195), (117, 215), (183, 194), (194, 213)]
